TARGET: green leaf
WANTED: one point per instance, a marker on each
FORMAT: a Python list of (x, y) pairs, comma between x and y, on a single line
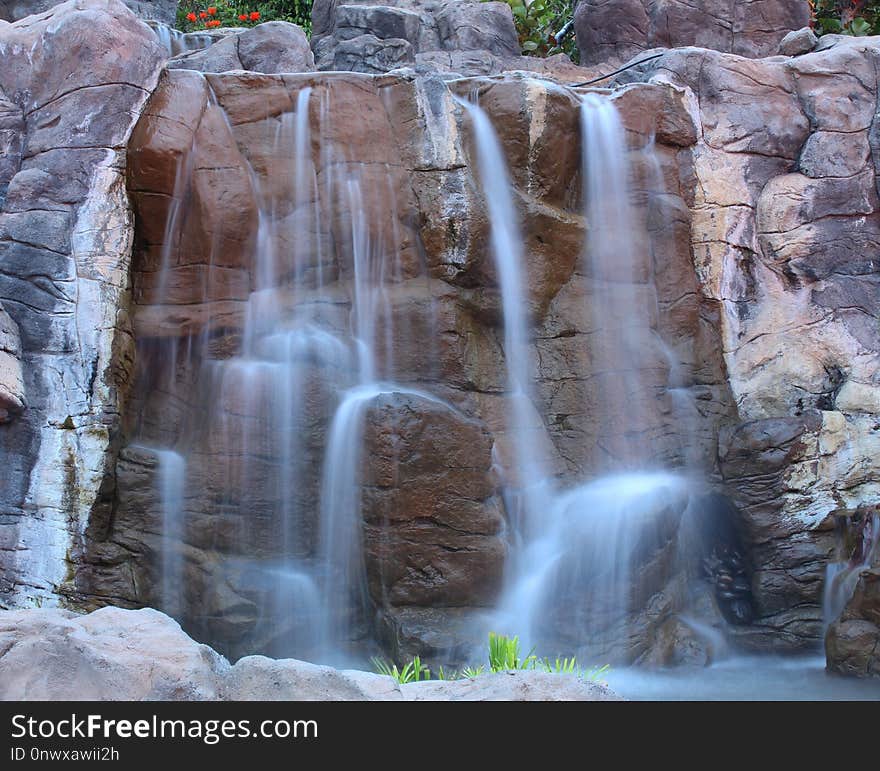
[(530, 45)]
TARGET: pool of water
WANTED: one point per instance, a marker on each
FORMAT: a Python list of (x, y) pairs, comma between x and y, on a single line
[(744, 679)]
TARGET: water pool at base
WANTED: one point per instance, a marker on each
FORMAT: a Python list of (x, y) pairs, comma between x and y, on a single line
[(759, 678)]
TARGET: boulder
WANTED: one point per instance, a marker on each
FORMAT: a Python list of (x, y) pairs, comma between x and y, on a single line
[(471, 38), (276, 46), (797, 42)]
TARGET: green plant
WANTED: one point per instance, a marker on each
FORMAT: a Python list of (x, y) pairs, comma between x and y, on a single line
[(595, 674), (537, 24), (412, 672), (504, 654), (846, 17), (562, 666), (470, 673)]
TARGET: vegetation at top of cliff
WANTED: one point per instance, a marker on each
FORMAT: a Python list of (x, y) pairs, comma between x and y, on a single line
[(538, 23), (846, 17), (193, 16)]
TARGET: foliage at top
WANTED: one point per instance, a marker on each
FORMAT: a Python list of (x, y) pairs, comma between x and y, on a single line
[(193, 15), (537, 24), (846, 17)]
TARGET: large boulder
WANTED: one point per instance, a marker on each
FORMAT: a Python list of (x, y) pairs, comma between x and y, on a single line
[(276, 46), (65, 247), (612, 31)]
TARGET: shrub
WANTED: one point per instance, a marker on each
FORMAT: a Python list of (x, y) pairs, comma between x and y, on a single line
[(537, 24), (846, 17), (193, 15)]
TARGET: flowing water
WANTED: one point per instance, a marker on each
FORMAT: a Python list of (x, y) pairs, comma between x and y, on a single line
[(289, 402)]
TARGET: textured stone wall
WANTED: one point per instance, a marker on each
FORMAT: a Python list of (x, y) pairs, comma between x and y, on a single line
[(613, 31), (72, 82), (786, 226)]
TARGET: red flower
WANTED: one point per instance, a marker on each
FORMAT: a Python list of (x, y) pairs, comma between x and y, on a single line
[(203, 15), (242, 17), (212, 10), (255, 15), (214, 23), (190, 17)]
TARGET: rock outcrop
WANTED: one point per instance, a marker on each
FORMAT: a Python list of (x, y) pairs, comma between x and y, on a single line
[(613, 31), (72, 83), (467, 37), (143, 655), (785, 221)]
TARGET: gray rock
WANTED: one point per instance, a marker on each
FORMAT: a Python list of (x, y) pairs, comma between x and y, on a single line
[(65, 247), (800, 41), (510, 686), (613, 31), (12, 399), (273, 47), (111, 654), (463, 37), (164, 11)]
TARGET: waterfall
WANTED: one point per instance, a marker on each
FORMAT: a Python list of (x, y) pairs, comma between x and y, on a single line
[(527, 474), (570, 579), (171, 483)]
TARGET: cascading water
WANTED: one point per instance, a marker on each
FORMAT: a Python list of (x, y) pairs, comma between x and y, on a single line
[(285, 408), (570, 578)]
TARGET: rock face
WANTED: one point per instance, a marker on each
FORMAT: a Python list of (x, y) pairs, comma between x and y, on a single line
[(12, 400), (164, 11), (142, 655), (471, 38), (613, 31), (853, 642), (65, 241), (785, 226), (275, 46)]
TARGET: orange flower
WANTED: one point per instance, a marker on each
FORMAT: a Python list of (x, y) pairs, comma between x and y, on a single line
[(242, 17), (190, 17), (212, 10), (203, 15), (255, 15), (214, 23)]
